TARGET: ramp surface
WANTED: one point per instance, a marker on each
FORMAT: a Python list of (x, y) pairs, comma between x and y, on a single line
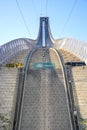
[(45, 102)]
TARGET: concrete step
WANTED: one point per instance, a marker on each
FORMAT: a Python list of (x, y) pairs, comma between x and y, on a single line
[(8, 93), (80, 90)]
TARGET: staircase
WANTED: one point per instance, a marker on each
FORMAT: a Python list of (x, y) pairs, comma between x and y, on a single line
[(69, 57), (8, 92), (20, 57), (79, 83)]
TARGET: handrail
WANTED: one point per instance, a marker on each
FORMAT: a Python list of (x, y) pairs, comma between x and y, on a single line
[(28, 58), (74, 118)]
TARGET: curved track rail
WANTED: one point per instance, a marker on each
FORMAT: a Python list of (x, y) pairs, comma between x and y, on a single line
[(20, 111)]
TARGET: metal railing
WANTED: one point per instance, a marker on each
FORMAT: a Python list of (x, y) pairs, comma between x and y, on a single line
[(21, 91)]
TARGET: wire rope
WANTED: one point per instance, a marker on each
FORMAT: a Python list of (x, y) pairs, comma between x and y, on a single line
[(22, 16), (69, 16)]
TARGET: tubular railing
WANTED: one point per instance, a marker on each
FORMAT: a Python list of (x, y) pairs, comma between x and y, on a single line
[(73, 114)]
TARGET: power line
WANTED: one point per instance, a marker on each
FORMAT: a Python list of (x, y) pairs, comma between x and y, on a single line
[(69, 16), (23, 18)]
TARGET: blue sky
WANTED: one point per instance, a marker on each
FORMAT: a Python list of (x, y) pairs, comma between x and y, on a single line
[(68, 18)]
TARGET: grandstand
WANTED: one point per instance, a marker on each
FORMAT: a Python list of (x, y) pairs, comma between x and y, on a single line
[(43, 83)]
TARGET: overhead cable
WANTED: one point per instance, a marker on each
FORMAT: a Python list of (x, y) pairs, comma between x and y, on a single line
[(23, 18), (69, 16)]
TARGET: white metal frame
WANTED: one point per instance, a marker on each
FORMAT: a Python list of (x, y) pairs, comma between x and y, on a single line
[(9, 50)]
